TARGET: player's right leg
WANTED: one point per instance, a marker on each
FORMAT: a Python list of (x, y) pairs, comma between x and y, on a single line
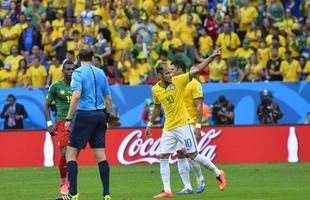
[(97, 143), (167, 146), (183, 168), (62, 142)]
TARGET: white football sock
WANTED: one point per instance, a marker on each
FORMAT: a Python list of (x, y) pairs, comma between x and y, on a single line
[(183, 167), (165, 174), (196, 168), (208, 164)]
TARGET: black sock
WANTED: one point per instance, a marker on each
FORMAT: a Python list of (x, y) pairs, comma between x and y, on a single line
[(72, 169), (104, 170)]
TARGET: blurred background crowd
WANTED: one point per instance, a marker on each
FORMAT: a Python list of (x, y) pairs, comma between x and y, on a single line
[(261, 40)]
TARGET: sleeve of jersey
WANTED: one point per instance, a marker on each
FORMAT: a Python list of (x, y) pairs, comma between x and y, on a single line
[(197, 91), (50, 93), (155, 98), (76, 82), (181, 80), (106, 88)]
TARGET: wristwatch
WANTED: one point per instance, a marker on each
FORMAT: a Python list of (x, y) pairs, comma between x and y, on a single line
[(68, 119)]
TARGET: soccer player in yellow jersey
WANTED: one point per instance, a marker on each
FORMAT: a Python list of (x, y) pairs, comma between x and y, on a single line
[(193, 99), (169, 93)]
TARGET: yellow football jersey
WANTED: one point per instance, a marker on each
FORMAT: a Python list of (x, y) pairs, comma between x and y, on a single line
[(193, 91), (172, 101)]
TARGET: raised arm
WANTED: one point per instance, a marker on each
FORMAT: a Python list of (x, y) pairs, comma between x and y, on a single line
[(196, 70)]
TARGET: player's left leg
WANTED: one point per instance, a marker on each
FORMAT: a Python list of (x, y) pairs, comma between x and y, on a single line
[(64, 186), (187, 137), (104, 170), (200, 180)]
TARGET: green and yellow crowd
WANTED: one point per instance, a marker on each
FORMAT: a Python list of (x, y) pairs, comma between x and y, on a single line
[(261, 40)]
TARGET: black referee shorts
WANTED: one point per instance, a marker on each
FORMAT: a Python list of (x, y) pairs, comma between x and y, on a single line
[(88, 126)]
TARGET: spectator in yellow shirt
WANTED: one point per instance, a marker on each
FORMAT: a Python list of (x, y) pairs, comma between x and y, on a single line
[(171, 42), (123, 65), (7, 76), (76, 43), (8, 36), (121, 43), (143, 65), (14, 58), (48, 37), (217, 70), (59, 23), (295, 43), (228, 41), (54, 72), (253, 70), (21, 74), (205, 44), (245, 51), (175, 20), (290, 68), (248, 14), (135, 75), (188, 12), (186, 33), (36, 74), (275, 33), (263, 53), (254, 35), (155, 48), (276, 45)]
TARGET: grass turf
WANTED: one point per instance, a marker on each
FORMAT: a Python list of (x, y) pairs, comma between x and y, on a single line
[(245, 181)]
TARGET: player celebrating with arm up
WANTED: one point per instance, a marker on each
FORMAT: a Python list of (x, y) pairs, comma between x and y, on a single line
[(169, 92), (193, 99), (61, 93)]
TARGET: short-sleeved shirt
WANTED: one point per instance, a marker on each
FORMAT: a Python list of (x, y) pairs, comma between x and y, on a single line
[(224, 40), (93, 84), (7, 74), (291, 70), (56, 73), (14, 60), (216, 69), (205, 44), (37, 75), (193, 91), (61, 93), (187, 33), (247, 15), (172, 100)]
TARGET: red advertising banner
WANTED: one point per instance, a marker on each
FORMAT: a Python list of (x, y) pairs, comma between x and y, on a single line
[(240, 144)]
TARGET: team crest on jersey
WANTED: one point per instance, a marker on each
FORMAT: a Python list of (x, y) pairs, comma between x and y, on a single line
[(172, 87), (62, 92)]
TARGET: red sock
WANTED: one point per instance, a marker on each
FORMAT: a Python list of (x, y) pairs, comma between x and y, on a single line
[(63, 169)]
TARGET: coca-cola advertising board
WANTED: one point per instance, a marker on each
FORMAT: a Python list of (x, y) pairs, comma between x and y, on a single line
[(240, 144)]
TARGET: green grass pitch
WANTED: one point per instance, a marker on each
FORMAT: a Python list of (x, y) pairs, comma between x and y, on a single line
[(244, 181)]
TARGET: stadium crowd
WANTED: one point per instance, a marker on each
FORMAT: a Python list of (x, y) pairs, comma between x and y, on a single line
[(261, 40)]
